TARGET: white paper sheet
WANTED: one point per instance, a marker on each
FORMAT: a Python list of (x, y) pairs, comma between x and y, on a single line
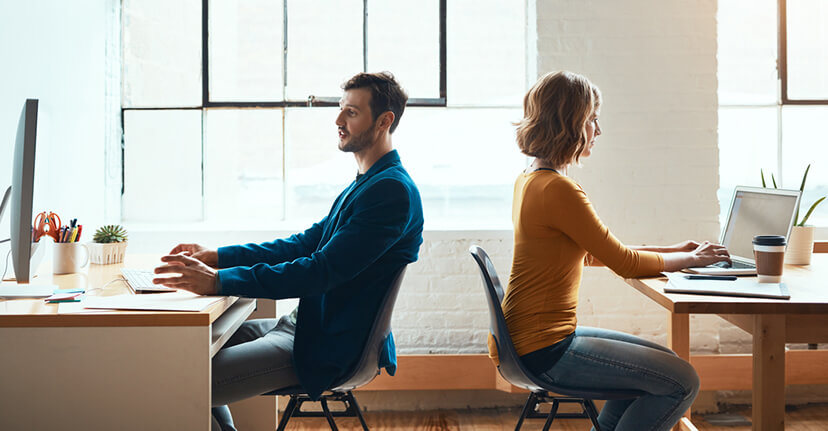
[(175, 301)]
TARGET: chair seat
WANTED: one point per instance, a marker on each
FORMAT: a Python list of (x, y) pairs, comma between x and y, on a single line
[(290, 390)]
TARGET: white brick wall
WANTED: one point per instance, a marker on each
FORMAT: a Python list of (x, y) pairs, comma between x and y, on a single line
[(653, 176)]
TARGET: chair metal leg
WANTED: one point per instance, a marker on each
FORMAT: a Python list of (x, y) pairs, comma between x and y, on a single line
[(351, 403), (531, 402), (289, 409), (592, 412), (551, 416), (328, 415)]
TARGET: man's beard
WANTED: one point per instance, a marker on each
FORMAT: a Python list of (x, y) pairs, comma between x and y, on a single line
[(357, 143)]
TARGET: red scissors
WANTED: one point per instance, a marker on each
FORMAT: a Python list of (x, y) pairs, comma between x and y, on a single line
[(46, 224)]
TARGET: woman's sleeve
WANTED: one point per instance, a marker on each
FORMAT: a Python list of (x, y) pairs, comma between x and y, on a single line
[(573, 214)]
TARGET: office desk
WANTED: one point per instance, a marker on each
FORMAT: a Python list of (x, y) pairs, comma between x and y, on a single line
[(771, 322), (109, 369)]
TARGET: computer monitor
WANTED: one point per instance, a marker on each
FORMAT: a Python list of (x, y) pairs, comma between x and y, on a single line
[(23, 165)]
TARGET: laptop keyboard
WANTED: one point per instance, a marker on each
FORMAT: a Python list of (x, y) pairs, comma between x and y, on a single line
[(734, 265)]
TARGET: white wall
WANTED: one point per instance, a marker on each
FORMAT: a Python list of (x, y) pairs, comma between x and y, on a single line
[(55, 51)]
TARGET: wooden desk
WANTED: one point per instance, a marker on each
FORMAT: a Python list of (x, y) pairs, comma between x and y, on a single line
[(109, 369), (802, 319)]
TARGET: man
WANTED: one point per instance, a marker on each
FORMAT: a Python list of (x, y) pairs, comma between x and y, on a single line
[(340, 268)]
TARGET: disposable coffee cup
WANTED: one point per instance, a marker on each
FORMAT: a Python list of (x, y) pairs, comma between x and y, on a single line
[(769, 252)]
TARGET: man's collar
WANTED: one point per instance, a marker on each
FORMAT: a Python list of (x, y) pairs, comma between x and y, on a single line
[(389, 158)]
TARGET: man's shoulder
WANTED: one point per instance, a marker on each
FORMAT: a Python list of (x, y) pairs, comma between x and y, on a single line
[(393, 177)]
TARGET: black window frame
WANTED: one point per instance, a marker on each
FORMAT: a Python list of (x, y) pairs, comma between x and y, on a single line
[(782, 58), (312, 100)]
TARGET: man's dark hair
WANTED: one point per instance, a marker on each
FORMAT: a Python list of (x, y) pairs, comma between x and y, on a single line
[(386, 94)]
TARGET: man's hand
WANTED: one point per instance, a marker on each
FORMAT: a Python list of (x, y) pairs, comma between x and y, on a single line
[(194, 275), (209, 257)]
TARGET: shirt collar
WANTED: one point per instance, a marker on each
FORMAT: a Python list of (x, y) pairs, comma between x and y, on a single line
[(390, 158)]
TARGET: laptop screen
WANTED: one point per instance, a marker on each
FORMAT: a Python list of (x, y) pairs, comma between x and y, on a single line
[(758, 212)]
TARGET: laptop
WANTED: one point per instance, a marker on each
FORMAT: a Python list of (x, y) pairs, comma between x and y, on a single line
[(753, 211)]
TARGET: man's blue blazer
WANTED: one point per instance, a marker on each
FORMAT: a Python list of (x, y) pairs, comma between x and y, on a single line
[(340, 269)]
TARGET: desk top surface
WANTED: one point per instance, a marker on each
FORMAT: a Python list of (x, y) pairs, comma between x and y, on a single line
[(106, 280), (808, 286)]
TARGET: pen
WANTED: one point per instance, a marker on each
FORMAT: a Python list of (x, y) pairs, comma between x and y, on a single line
[(712, 277)]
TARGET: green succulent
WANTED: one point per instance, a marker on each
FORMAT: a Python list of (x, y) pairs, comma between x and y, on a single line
[(109, 234), (797, 221)]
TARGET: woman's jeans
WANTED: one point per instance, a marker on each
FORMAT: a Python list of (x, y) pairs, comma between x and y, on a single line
[(603, 359)]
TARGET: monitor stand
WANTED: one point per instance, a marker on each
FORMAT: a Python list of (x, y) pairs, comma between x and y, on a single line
[(4, 202)]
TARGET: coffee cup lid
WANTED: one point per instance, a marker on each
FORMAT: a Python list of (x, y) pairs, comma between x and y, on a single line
[(769, 240)]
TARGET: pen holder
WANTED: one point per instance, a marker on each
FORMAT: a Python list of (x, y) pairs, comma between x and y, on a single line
[(105, 254)]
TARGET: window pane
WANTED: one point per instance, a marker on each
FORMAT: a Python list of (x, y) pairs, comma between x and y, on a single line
[(410, 51), (325, 46), (316, 170), (246, 49), (162, 166), (243, 179), (747, 143), (747, 52), (807, 49), (162, 53), (486, 52), (802, 146), (464, 162)]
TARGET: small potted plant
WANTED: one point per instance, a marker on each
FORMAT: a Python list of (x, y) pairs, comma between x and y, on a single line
[(108, 245), (801, 242)]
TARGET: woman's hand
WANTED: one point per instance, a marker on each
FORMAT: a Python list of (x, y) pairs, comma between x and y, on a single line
[(704, 254), (708, 253), (684, 246)]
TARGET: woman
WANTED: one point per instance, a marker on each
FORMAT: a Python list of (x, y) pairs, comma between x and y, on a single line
[(556, 232)]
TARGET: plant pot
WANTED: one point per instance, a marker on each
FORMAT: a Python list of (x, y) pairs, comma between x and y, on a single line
[(105, 254), (800, 246)]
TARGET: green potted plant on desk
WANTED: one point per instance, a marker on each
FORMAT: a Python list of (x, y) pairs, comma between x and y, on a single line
[(801, 242), (108, 245)]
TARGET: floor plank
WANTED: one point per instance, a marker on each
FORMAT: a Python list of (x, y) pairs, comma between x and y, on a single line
[(806, 418)]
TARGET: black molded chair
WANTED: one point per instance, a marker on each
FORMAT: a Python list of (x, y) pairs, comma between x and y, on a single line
[(365, 370), (513, 370)]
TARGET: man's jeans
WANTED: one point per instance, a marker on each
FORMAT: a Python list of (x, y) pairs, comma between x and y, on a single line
[(257, 359), (603, 359)]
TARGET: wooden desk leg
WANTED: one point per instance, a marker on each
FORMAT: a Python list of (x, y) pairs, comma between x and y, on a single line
[(768, 372), (678, 339)]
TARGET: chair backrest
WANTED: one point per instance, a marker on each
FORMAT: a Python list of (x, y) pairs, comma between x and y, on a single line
[(511, 367), (367, 367)]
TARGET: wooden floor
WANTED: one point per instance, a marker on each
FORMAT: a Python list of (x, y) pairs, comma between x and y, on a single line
[(808, 418)]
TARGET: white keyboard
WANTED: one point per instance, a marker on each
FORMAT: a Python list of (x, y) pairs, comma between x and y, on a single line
[(140, 280)]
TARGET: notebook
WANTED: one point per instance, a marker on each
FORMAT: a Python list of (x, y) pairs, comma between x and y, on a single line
[(748, 287), (13, 290), (753, 211)]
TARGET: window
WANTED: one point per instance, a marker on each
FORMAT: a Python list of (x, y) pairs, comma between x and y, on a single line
[(769, 116), (229, 106)]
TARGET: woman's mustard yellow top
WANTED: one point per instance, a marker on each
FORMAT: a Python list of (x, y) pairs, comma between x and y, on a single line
[(555, 228)]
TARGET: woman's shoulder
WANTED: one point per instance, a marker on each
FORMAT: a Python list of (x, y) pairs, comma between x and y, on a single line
[(554, 183)]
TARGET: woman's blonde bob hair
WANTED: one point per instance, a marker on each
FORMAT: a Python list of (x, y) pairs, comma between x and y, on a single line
[(555, 113)]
